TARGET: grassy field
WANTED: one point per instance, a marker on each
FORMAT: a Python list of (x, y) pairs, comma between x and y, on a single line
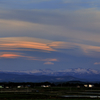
[(50, 99), (51, 93)]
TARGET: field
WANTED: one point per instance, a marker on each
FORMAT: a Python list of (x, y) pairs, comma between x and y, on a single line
[(54, 93)]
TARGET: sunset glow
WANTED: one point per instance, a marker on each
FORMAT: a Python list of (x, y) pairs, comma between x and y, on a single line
[(9, 56), (49, 34)]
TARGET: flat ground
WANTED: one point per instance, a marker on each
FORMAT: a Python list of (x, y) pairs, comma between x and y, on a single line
[(54, 93)]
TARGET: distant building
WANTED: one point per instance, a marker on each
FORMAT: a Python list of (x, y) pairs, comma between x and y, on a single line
[(45, 85), (18, 86), (6, 87), (85, 85), (78, 86), (88, 85)]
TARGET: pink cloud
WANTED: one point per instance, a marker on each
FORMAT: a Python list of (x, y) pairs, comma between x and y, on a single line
[(10, 55), (16, 55), (49, 59), (16, 43), (27, 43), (97, 63), (49, 63)]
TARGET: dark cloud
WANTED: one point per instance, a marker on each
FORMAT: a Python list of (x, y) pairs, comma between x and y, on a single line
[(35, 16), (85, 20)]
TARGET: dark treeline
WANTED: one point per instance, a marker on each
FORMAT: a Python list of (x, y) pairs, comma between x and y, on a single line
[(32, 85), (24, 84)]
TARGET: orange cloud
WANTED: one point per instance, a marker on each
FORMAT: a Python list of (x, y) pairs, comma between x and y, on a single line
[(27, 43), (10, 56), (16, 55), (16, 43), (49, 63)]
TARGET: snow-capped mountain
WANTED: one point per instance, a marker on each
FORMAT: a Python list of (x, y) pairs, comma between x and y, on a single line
[(62, 72), (81, 74), (50, 75)]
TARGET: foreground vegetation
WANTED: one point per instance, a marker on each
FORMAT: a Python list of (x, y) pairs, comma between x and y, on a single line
[(34, 91), (49, 93), (51, 99), (35, 96)]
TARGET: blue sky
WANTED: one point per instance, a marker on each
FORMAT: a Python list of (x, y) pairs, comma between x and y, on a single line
[(49, 34)]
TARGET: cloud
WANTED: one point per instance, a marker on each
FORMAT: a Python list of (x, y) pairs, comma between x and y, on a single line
[(42, 45), (61, 45), (97, 63), (10, 43), (48, 63), (27, 43), (13, 55), (49, 59), (18, 26), (78, 25), (82, 25), (18, 43), (10, 55), (76, 48), (41, 59)]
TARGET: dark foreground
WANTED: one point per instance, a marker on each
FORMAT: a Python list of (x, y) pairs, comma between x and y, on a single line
[(29, 96), (50, 93)]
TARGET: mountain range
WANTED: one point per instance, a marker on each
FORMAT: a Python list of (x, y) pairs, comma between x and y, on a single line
[(77, 74)]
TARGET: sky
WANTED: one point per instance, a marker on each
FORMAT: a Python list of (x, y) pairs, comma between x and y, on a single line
[(49, 34)]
